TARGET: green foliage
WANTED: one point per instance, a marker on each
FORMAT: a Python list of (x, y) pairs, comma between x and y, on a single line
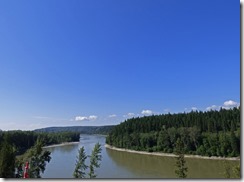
[(23, 140), (80, 164), (103, 130), (181, 170), (37, 159), (19, 168), (14, 143), (7, 159), (94, 160), (212, 133)]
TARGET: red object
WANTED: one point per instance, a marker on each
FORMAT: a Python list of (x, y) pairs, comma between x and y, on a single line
[(26, 170)]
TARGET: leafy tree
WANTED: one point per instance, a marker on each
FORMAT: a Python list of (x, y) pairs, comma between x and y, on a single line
[(80, 164), (181, 170), (94, 160)]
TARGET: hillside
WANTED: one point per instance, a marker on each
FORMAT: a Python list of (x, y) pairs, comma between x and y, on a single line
[(104, 130)]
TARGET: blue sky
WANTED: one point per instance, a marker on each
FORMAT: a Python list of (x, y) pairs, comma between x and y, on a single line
[(99, 62)]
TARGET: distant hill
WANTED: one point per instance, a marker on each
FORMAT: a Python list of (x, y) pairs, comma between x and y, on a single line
[(82, 129)]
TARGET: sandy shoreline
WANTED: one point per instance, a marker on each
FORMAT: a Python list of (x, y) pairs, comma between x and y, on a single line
[(61, 144), (171, 155)]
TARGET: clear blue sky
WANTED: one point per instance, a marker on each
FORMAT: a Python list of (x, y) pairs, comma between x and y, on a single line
[(98, 62)]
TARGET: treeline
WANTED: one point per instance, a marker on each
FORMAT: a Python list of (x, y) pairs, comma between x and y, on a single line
[(212, 133), (23, 140), (104, 130), (18, 147)]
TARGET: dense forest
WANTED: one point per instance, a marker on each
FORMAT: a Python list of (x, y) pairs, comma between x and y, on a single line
[(104, 130), (211, 133), (17, 147), (23, 140)]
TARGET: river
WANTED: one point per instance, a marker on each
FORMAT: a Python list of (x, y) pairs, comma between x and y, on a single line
[(118, 164)]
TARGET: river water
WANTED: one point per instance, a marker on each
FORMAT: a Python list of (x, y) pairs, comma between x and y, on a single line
[(118, 164)]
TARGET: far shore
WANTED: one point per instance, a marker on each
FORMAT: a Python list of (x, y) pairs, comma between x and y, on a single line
[(171, 155), (61, 144), (69, 143)]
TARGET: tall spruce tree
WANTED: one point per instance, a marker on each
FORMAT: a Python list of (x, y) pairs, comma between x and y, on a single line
[(181, 170), (80, 164), (37, 159), (95, 159), (7, 159)]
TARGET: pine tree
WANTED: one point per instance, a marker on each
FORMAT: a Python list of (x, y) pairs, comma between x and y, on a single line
[(181, 170), (80, 164), (94, 160), (37, 159), (7, 160), (234, 144)]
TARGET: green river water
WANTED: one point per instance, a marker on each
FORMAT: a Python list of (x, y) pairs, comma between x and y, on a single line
[(118, 164)]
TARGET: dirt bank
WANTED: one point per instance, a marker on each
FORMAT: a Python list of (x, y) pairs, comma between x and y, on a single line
[(171, 155)]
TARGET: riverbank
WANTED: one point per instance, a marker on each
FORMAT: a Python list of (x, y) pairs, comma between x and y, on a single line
[(171, 155), (61, 144)]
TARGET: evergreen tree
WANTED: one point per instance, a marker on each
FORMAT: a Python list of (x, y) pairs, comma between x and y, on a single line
[(37, 159), (19, 168), (211, 133), (7, 160), (80, 164), (94, 160), (234, 144), (181, 170)]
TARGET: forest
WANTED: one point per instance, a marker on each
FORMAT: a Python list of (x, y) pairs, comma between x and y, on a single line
[(210, 133), (102, 130), (17, 147), (23, 140)]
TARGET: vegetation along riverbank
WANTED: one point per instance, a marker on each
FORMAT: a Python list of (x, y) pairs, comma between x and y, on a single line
[(18, 149), (171, 154), (211, 133), (61, 144)]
